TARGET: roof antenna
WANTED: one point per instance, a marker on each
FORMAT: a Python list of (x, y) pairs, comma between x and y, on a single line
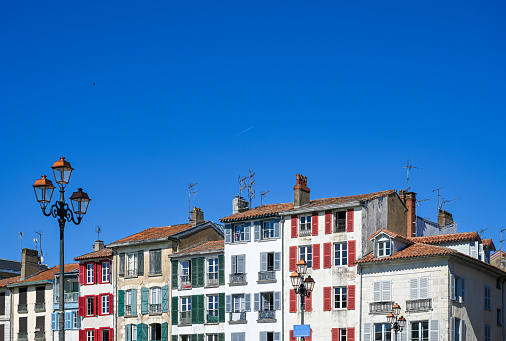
[(41, 255), (500, 250), (445, 202), (247, 183), (438, 195), (21, 237), (190, 192), (262, 197), (481, 231), (98, 229), (408, 166)]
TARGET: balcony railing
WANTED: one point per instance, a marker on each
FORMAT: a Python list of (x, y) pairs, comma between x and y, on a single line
[(186, 282), (185, 317), (380, 307), (238, 278), (304, 232), (237, 316), (131, 273), (40, 307), (266, 275), (212, 279), (155, 308), (128, 309), (419, 305), (22, 308), (340, 225), (22, 336), (267, 315), (71, 297), (212, 318), (40, 335)]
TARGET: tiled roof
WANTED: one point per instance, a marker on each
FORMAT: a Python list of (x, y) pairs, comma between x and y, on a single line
[(105, 252), (49, 273), (488, 243), (393, 235), (447, 238), (154, 233), (215, 245), (412, 251), (269, 210), (4, 282), (496, 254)]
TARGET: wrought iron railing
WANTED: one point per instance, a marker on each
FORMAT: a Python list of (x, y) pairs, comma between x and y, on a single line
[(238, 278), (212, 279), (22, 308), (70, 297), (267, 315), (238, 316), (155, 308), (185, 317), (128, 309), (419, 305), (212, 318), (266, 275), (40, 335), (380, 307), (186, 282), (40, 307), (131, 272), (304, 232), (22, 336)]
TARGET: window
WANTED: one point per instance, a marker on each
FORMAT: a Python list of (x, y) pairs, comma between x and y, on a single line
[(305, 225), (458, 329), (340, 254), (487, 297), (131, 264), (340, 297), (105, 334), (76, 320), (212, 337), (212, 305), (340, 222), (498, 283), (89, 273), (266, 301), (90, 335), (268, 229), (420, 331), (212, 271), (155, 300), (105, 304), (382, 291), (155, 331), (185, 338), (238, 264), (269, 336), (128, 302), (90, 305), (2, 303), (238, 336), (342, 334), (155, 262), (239, 233), (185, 275), (458, 288), (133, 331), (382, 332), (383, 247), (105, 272), (306, 253), (499, 317), (238, 303), (487, 332), (186, 303)]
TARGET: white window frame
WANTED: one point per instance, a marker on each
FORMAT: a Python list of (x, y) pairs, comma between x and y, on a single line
[(421, 329), (267, 230), (384, 331), (212, 305), (308, 250), (106, 272), (238, 233), (133, 332), (239, 301), (155, 297), (341, 254), (343, 332), (186, 303), (90, 335), (383, 247), (90, 273), (151, 326), (104, 304), (212, 337), (128, 301), (342, 292), (92, 298), (305, 223), (131, 264), (212, 268)]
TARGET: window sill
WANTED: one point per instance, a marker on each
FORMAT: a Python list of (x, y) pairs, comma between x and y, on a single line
[(184, 324), (267, 321), (239, 242), (267, 239), (237, 284), (212, 286), (267, 281), (155, 314), (128, 277), (211, 323), (238, 322), (155, 275)]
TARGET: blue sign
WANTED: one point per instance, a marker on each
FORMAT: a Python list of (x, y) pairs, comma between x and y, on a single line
[(301, 330)]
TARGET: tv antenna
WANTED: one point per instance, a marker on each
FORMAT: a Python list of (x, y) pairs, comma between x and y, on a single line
[(500, 249), (438, 195), (247, 183), (21, 238), (481, 231), (409, 167), (190, 192), (98, 229), (35, 241), (41, 255), (262, 196), (444, 202)]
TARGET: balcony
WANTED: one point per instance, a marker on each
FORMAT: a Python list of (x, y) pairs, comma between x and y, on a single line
[(186, 282), (237, 278), (419, 305), (22, 308), (40, 335), (380, 308), (22, 336), (71, 297), (266, 275), (212, 318), (128, 310), (40, 307), (212, 280), (155, 308), (131, 272), (238, 316), (267, 315), (304, 232), (185, 317)]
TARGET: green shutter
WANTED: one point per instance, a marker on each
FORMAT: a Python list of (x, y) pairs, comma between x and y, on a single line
[(221, 307), (174, 338), (200, 337), (144, 332), (202, 309), (139, 332), (195, 309), (174, 274), (201, 272), (128, 332), (165, 299), (165, 331), (221, 270), (193, 337), (194, 271), (140, 263), (221, 337), (175, 306), (144, 300), (121, 303)]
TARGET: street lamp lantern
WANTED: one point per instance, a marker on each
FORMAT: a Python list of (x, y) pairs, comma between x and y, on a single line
[(309, 284), (397, 323), (62, 171), (402, 322), (390, 318), (302, 267), (295, 279), (302, 287), (43, 188), (396, 309), (80, 202)]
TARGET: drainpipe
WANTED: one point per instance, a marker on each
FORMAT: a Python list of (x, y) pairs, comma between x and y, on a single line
[(502, 307), (116, 331), (10, 315), (282, 229), (359, 270)]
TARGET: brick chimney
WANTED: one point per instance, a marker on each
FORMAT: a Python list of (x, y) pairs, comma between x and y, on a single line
[(99, 245), (196, 216), (409, 199), (444, 218), (300, 192), (29, 263), (239, 205)]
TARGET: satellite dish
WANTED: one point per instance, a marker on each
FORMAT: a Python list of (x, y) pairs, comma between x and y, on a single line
[(41, 259)]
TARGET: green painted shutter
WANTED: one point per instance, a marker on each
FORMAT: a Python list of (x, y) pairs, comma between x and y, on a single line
[(193, 337), (144, 300), (202, 309), (200, 337), (174, 338), (195, 309), (121, 303), (165, 331), (194, 271), (221, 337), (175, 266), (144, 332), (221, 307), (175, 306), (140, 263), (221, 269), (165, 299), (201, 272), (139, 332), (128, 332)]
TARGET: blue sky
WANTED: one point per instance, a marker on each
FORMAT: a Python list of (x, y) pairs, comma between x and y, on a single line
[(342, 92)]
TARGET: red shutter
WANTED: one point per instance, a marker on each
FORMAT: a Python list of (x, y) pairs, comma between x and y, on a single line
[(349, 220), (314, 224), (293, 258), (110, 304), (82, 271), (350, 334), (310, 338), (308, 303), (327, 255), (291, 336), (316, 256), (98, 279), (111, 333), (294, 226), (97, 305), (351, 297), (97, 335), (352, 252), (327, 298), (335, 334), (328, 222), (293, 301), (82, 335), (95, 273), (81, 311)]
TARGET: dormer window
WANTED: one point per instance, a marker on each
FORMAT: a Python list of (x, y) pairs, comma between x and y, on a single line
[(383, 247)]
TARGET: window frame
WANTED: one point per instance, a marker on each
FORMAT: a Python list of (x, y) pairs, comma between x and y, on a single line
[(88, 274), (238, 233), (241, 302), (344, 298), (86, 300), (106, 272), (306, 225), (342, 259), (157, 271), (385, 328), (421, 330), (267, 229), (213, 266), (90, 334), (383, 247), (488, 299), (308, 251), (212, 312), (155, 298), (186, 303), (154, 326), (487, 328), (106, 298), (339, 223), (131, 272)]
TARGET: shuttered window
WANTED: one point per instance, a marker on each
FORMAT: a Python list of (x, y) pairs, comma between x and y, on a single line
[(350, 219), (327, 299), (316, 256), (419, 288), (328, 222), (293, 258), (155, 262), (314, 224), (382, 291), (293, 301), (294, 222), (352, 252), (351, 297)]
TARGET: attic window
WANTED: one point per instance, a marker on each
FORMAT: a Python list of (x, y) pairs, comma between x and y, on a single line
[(383, 247)]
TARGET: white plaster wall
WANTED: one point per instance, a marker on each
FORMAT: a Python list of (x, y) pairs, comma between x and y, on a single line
[(5, 319)]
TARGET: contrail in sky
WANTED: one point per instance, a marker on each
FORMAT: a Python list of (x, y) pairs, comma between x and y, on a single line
[(242, 132)]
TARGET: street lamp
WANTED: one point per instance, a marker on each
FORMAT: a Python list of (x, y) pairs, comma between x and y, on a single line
[(397, 323), (43, 192), (303, 286)]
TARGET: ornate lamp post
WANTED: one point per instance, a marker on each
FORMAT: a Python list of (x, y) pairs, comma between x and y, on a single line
[(43, 192), (303, 286), (396, 323)]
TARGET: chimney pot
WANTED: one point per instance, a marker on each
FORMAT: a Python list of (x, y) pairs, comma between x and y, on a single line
[(196, 216), (29, 262), (300, 191), (239, 205), (99, 245)]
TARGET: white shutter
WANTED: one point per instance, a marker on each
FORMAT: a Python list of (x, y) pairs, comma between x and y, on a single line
[(386, 291), (256, 305), (462, 289), (367, 332), (277, 300), (377, 291), (413, 289), (247, 302), (463, 330), (424, 287), (404, 333), (452, 336), (277, 261), (434, 330), (241, 261), (257, 231), (228, 303), (128, 332), (276, 229), (247, 232), (277, 336), (474, 250), (263, 336), (263, 261), (234, 265), (228, 234), (452, 279), (53, 321)]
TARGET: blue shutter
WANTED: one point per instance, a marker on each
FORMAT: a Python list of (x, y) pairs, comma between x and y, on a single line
[(133, 301), (228, 234), (263, 261), (256, 305), (139, 332), (277, 261), (228, 303), (75, 315), (247, 231), (128, 332), (277, 300), (263, 336), (247, 302), (234, 265), (144, 300), (277, 336), (256, 228), (165, 299), (277, 232), (54, 321), (68, 320)]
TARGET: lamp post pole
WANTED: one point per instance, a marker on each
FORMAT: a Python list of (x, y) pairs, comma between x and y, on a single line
[(44, 191), (397, 323), (302, 286)]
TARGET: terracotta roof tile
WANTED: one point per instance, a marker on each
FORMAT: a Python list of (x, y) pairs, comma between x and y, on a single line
[(216, 245), (105, 252), (447, 238), (5, 281), (49, 273), (488, 243), (393, 235), (155, 233), (412, 251), (359, 197)]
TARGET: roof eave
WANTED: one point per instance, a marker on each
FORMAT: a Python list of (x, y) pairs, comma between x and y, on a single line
[(22, 284), (306, 209), (139, 242), (225, 220), (204, 252)]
